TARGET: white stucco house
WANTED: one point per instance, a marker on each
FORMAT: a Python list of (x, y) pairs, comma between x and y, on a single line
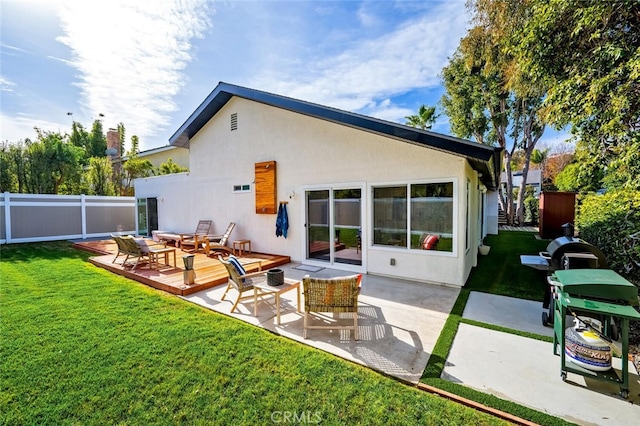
[(362, 194)]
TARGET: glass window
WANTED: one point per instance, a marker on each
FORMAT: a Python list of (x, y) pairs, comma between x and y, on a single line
[(432, 216), (390, 216), (424, 218)]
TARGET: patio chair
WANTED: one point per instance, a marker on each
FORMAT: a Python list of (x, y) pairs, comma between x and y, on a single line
[(122, 247), (193, 241), (239, 279), (133, 250), (331, 295), (213, 244)]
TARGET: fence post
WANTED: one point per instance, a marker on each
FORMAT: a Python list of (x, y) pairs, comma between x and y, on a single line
[(83, 213), (7, 217)]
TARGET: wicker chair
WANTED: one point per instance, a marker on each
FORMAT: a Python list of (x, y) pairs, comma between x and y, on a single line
[(335, 295), (239, 279)]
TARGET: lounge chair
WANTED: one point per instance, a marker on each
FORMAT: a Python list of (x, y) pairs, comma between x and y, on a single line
[(135, 248), (132, 250), (192, 242), (331, 295), (239, 279), (214, 244), (122, 247)]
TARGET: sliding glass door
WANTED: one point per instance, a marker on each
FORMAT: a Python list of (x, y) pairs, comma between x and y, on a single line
[(334, 225), (318, 225)]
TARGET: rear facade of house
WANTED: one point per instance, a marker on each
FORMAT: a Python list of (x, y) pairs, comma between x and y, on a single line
[(361, 194)]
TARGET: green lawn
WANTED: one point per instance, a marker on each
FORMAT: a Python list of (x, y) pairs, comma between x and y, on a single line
[(500, 272), (80, 345)]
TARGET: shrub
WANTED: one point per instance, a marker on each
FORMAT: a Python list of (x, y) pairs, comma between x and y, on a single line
[(611, 222), (531, 212)]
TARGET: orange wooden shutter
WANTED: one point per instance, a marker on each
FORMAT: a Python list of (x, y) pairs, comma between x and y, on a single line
[(265, 175)]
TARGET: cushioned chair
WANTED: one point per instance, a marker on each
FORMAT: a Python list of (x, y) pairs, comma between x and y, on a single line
[(134, 250), (192, 242), (331, 295), (122, 247), (214, 244), (239, 279)]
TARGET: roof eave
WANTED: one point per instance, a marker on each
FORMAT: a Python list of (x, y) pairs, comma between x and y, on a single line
[(483, 158)]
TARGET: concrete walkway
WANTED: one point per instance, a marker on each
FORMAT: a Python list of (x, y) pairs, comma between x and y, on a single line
[(525, 370), (399, 321)]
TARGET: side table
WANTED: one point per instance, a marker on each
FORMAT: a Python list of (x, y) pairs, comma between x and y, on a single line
[(240, 247)]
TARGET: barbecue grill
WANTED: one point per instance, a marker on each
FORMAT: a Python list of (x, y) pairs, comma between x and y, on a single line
[(594, 292), (563, 253), (566, 253)]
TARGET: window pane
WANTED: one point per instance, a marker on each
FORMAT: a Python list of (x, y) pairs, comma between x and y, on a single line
[(390, 216), (432, 216)]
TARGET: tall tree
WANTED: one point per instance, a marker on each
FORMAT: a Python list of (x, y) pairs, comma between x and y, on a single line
[(99, 176), (489, 98), (97, 140), (588, 55), (425, 118), (134, 168), (121, 137), (80, 137), (134, 145)]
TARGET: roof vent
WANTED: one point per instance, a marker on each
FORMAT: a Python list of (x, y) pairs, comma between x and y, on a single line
[(234, 121)]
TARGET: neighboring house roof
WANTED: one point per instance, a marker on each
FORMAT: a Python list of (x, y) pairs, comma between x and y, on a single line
[(484, 159), (152, 151), (534, 176), (157, 156)]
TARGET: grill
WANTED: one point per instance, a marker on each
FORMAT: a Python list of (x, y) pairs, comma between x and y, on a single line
[(566, 253), (563, 253), (599, 293)]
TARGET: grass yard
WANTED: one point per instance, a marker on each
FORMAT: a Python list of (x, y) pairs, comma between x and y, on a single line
[(500, 272), (80, 345)]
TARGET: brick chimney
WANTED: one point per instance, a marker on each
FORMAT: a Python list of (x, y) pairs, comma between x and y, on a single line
[(113, 141)]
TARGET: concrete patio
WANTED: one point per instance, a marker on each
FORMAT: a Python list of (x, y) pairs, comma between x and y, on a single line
[(399, 321), (526, 371)]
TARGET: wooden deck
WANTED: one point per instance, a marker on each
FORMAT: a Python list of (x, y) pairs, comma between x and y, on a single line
[(209, 271)]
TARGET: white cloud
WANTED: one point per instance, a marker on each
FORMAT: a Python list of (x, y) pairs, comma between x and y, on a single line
[(6, 85), (408, 57), (130, 57), (17, 128)]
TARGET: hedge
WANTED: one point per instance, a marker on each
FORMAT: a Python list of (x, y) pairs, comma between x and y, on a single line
[(611, 222)]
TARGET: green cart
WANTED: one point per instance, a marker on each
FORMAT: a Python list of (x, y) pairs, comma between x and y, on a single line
[(598, 293)]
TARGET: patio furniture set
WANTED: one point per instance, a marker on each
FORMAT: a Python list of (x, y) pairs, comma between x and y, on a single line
[(321, 295), (139, 249), (202, 240), (330, 295)]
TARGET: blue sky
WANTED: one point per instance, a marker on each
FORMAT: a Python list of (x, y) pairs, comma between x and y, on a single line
[(150, 63)]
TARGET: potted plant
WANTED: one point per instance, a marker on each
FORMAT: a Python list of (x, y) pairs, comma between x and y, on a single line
[(484, 250)]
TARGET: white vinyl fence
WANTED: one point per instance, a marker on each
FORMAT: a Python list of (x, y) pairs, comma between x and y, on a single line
[(35, 217)]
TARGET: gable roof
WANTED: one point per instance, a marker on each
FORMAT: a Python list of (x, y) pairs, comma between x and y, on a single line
[(482, 158)]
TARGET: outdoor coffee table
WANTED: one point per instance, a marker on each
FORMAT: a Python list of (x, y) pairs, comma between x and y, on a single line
[(262, 288), (154, 252)]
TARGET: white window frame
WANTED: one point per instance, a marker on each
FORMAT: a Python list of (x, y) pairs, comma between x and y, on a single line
[(408, 249)]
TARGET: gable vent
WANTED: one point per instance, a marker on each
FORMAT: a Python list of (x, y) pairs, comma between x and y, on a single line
[(234, 121)]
